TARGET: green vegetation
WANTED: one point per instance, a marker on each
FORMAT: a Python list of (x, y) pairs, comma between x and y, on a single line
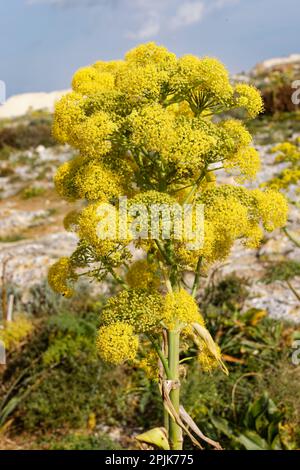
[(29, 133), (84, 442), (282, 271), (32, 191), (14, 237), (55, 382), (275, 128)]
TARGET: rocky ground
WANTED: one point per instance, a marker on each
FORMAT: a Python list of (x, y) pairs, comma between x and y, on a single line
[(32, 234)]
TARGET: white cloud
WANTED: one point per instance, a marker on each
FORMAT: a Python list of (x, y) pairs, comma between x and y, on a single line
[(147, 30), (188, 13), (148, 15), (71, 3), (151, 16), (223, 3)]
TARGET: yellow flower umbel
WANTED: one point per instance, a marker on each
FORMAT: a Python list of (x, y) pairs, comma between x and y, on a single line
[(207, 361), (61, 274), (117, 343), (231, 213), (15, 331), (143, 275), (288, 177), (249, 98), (140, 308), (181, 310)]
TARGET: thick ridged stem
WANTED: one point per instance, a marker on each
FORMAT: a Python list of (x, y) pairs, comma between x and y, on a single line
[(175, 432)]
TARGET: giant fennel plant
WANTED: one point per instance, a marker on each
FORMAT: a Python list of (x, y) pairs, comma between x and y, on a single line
[(155, 129)]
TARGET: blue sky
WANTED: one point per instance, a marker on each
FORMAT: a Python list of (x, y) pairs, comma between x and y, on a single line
[(42, 42)]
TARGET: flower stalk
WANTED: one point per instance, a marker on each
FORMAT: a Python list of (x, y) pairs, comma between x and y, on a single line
[(175, 431)]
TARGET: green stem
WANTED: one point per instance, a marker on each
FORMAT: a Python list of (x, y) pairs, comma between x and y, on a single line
[(293, 240), (175, 433), (197, 278), (165, 354), (195, 186), (296, 294), (118, 279), (161, 357), (163, 252)]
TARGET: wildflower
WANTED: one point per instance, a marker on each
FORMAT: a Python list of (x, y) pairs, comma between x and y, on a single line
[(140, 308), (181, 309), (98, 225), (15, 331), (143, 275), (71, 221), (207, 361), (95, 182), (89, 80), (117, 343), (60, 275), (288, 152), (248, 97), (149, 364)]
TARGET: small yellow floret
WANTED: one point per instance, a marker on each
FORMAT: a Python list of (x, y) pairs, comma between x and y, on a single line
[(60, 274), (181, 308), (117, 343)]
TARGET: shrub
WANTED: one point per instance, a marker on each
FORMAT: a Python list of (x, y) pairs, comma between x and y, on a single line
[(27, 136)]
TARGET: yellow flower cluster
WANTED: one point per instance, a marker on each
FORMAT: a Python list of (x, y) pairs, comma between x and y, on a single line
[(88, 133), (285, 179), (231, 213), (155, 105), (89, 80), (180, 310), (69, 113), (88, 179), (63, 179), (235, 144), (93, 135), (143, 275), (71, 221), (98, 225), (289, 153), (248, 97), (94, 182), (60, 275), (247, 161), (205, 80), (15, 331), (117, 343), (179, 141), (150, 53), (149, 364), (140, 308), (144, 311), (150, 198), (207, 361)]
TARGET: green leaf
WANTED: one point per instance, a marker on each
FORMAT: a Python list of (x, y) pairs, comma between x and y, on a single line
[(252, 441), (276, 444), (222, 425), (156, 437), (261, 423)]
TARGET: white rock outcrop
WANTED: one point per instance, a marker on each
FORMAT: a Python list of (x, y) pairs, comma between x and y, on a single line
[(19, 105)]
